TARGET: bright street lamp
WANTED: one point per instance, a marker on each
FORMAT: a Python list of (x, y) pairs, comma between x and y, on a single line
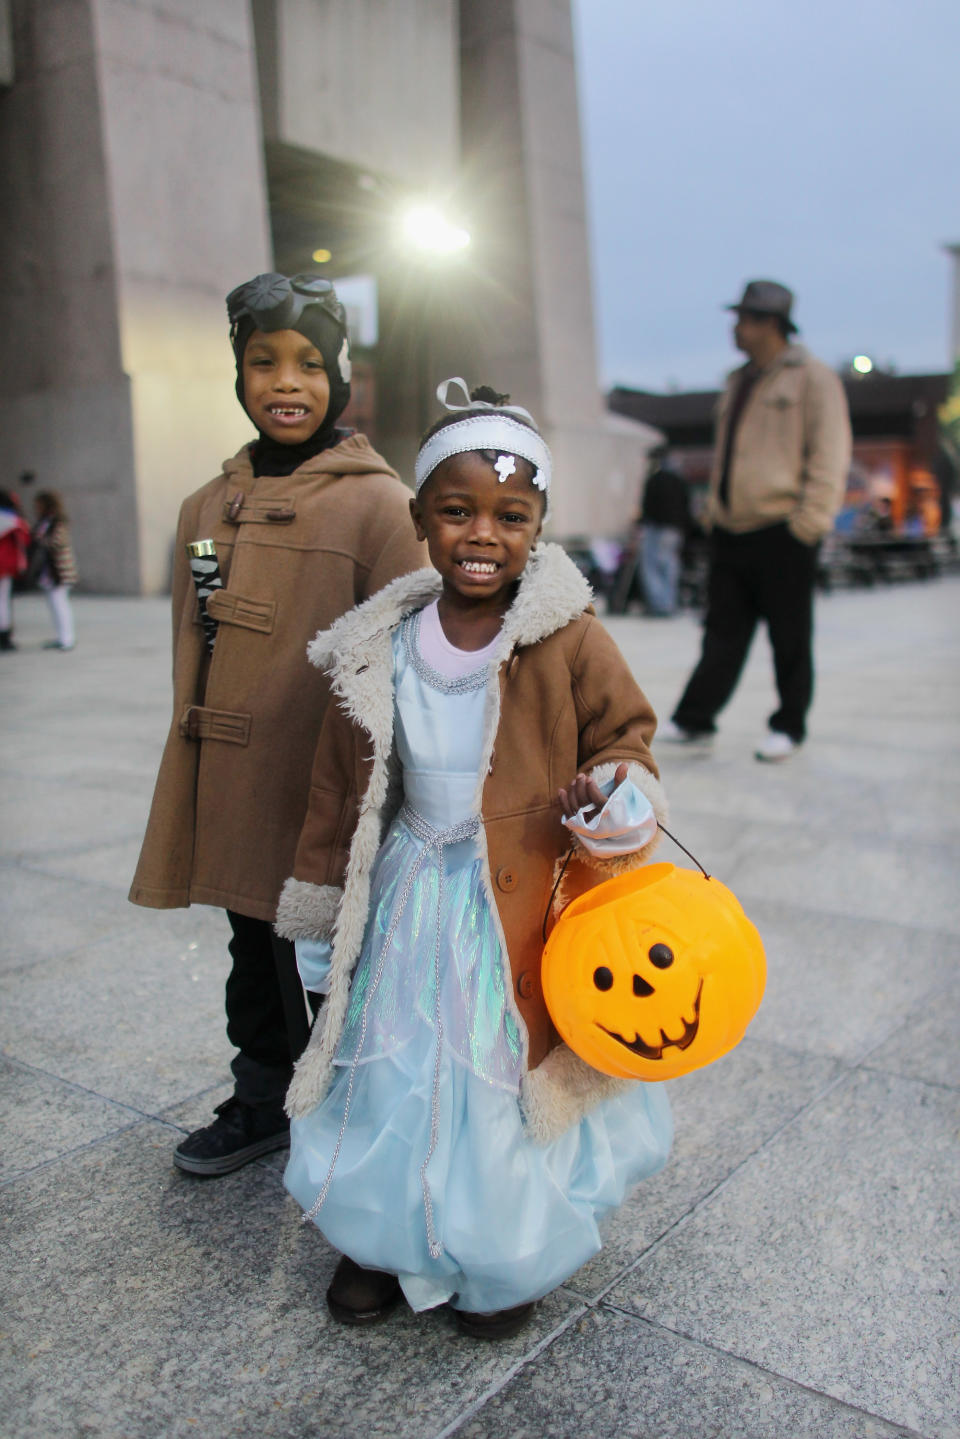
[(426, 228)]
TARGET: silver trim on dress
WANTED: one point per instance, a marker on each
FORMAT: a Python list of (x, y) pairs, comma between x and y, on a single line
[(464, 684)]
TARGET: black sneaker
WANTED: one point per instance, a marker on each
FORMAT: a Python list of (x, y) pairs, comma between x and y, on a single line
[(238, 1134)]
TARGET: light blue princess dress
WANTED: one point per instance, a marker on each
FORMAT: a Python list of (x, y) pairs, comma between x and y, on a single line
[(417, 1161)]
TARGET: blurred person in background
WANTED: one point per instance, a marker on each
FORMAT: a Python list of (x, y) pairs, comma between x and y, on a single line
[(665, 517), (54, 565), (783, 445), (14, 543)]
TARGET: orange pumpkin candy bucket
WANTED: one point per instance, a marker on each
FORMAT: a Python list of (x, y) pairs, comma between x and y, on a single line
[(653, 974)]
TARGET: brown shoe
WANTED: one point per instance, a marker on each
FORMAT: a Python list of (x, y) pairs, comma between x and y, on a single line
[(499, 1325), (361, 1296)]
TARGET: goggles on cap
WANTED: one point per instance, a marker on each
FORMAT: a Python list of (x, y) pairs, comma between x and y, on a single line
[(276, 302)]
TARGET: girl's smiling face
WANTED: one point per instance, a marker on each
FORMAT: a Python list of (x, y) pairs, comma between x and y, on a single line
[(479, 529), (286, 391)]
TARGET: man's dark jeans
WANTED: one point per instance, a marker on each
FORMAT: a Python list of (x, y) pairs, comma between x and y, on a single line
[(763, 575)]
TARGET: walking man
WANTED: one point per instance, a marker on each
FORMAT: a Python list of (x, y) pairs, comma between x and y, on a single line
[(780, 466)]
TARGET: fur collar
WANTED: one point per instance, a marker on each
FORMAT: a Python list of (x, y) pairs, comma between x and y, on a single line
[(551, 593)]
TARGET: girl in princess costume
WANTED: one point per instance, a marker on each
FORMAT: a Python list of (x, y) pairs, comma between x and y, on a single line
[(442, 1137)]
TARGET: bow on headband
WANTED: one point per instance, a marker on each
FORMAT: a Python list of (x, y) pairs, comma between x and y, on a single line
[(484, 427), (443, 390)]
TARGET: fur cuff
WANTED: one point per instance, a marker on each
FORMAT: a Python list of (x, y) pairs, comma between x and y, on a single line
[(649, 785), (561, 1091), (307, 911), (311, 1074)]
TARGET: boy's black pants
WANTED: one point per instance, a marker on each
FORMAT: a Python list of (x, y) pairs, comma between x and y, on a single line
[(763, 575), (266, 1016)]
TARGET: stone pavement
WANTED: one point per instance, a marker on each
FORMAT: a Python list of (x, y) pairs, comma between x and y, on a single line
[(794, 1270)]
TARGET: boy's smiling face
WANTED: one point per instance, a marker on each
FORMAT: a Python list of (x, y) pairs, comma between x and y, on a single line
[(286, 391)]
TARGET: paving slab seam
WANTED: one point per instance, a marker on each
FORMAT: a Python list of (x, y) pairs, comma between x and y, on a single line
[(29, 1068), (109, 1137), (903, 1430), (157, 1115), (472, 1410), (68, 1154), (903, 1021), (139, 1115), (860, 1059), (687, 1216), (924, 1083), (193, 1098)]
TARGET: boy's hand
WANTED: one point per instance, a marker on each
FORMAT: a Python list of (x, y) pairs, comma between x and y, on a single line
[(585, 792)]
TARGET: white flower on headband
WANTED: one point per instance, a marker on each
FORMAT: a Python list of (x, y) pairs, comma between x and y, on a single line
[(485, 427)]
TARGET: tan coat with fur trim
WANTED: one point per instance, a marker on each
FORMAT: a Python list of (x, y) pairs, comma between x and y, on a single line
[(562, 700)]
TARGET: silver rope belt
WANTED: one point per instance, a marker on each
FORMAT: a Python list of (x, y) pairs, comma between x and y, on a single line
[(435, 842)]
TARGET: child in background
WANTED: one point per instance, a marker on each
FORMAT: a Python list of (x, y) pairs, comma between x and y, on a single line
[(14, 541), (306, 521), (58, 571), (443, 1138)]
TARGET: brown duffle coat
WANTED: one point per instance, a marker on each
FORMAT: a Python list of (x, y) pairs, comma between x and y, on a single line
[(562, 700), (295, 553)]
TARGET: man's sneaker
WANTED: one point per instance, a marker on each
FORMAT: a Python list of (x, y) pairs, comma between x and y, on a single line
[(776, 746), (674, 734), (238, 1134)]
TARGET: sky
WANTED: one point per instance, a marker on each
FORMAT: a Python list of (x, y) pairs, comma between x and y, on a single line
[(815, 142)]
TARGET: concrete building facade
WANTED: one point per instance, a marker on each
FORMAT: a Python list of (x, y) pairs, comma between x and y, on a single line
[(156, 152), (954, 252)]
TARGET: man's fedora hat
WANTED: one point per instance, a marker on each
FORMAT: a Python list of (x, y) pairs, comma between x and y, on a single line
[(766, 297)]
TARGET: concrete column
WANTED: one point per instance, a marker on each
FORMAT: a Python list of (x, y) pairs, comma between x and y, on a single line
[(64, 399), (954, 251), (523, 181), (183, 154), (130, 151), (361, 110)]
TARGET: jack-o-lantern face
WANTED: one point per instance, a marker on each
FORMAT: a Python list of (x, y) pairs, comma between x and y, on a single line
[(653, 974)]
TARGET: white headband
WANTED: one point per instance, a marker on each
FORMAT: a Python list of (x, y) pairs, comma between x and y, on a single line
[(493, 431)]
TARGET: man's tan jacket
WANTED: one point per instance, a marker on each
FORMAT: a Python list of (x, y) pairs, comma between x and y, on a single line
[(791, 450)]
